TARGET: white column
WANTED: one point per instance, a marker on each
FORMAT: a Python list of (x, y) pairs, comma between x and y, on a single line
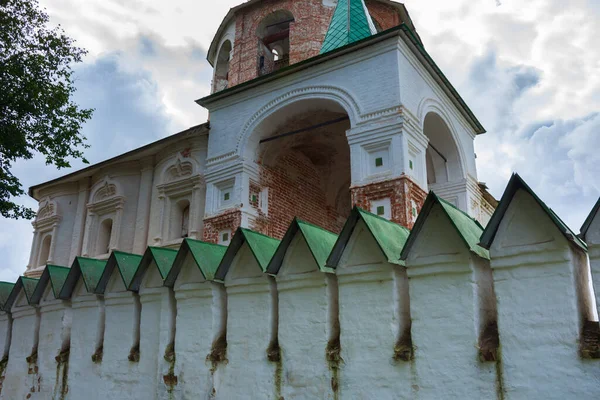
[(52, 243), (116, 232), (142, 219), (80, 217)]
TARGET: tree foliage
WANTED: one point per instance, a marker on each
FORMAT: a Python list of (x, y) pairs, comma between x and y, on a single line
[(37, 113)]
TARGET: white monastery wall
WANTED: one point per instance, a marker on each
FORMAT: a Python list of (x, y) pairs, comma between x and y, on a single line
[(374, 316), (87, 335), (305, 325), (446, 310), (405, 332), (194, 334), (539, 308)]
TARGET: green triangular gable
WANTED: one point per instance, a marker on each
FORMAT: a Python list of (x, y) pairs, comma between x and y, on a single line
[(350, 23), (162, 257), (53, 275), (91, 272), (89, 269), (517, 183), (319, 241), (263, 248), (390, 236), (126, 263), (28, 285), (467, 228), (5, 290), (207, 257)]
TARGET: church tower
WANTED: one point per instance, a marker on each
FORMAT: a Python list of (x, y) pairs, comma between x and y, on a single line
[(318, 106)]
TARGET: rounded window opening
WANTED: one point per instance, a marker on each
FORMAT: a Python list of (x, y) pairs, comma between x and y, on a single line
[(442, 159), (104, 235), (45, 250), (221, 79), (274, 42), (180, 220), (305, 165)]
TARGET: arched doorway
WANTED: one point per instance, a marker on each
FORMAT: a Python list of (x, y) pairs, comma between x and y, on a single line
[(304, 162)]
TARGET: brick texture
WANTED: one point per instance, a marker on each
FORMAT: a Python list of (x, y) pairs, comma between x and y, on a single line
[(230, 219), (307, 32), (403, 194), (296, 190)]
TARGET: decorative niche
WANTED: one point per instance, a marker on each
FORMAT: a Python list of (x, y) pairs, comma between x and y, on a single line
[(103, 222), (178, 196), (45, 227)]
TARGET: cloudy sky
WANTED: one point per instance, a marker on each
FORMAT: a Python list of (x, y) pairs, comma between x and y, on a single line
[(530, 70)]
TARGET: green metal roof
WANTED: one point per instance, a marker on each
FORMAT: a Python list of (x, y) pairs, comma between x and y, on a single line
[(588, 221), (127, 265), (23, 283), (53, 275), (263, 248), (5, 290), (162, 257), (390, 237), (350, 23), (207, 257), (319, 241), (468, 228), (89, 269), (515, 184)]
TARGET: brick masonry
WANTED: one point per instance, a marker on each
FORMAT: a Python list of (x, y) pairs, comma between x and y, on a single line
[(230, 219), (404, 194), (307, 32)]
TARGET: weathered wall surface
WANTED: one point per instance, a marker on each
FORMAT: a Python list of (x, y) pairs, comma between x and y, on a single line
[(446, 321)]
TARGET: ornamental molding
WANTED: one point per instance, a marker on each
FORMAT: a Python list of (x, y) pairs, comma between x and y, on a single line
[(335, 94)]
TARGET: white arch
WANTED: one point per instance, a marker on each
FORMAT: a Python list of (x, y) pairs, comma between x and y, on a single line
[(429, 105), (337, 95), (174, 162), (101, 184)]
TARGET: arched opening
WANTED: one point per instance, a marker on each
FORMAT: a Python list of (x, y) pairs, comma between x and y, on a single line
[(104, 235), (180, 220), (44, 250), (442, 158), (273, 34), (221, 80), (305, 165)]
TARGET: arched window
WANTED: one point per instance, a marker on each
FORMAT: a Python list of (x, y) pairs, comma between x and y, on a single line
[(104, 235), (221, 80), (274, 42), (45, 250), (442, 158), (181, 220)]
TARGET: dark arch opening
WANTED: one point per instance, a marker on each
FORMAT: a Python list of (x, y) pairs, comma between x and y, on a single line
[(273, 35)]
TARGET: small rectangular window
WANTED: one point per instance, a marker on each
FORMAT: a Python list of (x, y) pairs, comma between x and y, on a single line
[(380, 210), (379, 162), (226, 196), (410, 164), (225, 237)]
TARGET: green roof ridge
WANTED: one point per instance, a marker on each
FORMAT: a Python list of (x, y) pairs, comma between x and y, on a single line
[(29, 285), (127, 264), (516, 183), (5, 290), (58, 276), (320, 242), (469, 229), (207, 262), (164, 258), (91, 272), (350, 23), (389, 235), (263, 247)]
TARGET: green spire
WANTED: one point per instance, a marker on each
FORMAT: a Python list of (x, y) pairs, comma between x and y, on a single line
[(351, 22)]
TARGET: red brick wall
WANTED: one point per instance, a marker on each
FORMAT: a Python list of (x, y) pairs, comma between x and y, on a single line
[(306, 33), (230, 219), (400, 191), (295, 190), (385, 15)]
